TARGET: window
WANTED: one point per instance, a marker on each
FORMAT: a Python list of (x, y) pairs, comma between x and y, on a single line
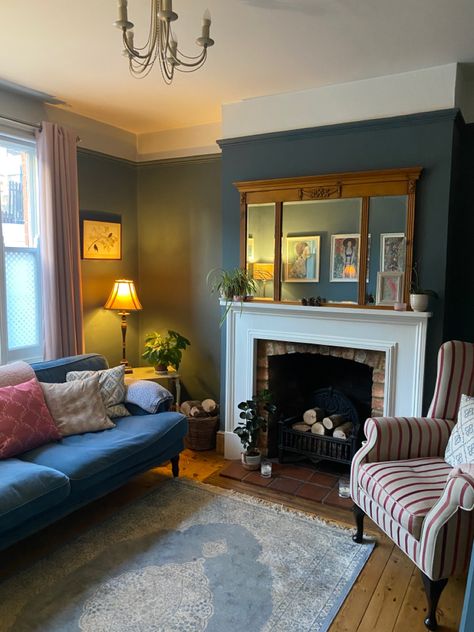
[(20, 294)]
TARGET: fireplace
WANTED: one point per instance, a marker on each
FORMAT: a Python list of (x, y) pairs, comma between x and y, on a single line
[(392, 344), (297, 374)]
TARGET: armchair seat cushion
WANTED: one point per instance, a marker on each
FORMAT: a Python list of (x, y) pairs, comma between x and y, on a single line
[(407, 489)]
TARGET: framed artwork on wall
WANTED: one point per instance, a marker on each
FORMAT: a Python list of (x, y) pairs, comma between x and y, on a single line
[(344, 260), (101, 235), (389, 288), (392, 252), (302, 259)]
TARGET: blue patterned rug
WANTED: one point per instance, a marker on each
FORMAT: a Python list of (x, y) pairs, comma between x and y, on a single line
[(185, 558)]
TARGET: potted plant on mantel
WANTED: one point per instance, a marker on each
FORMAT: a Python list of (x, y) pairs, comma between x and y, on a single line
[(231, 285), (250, 426), (419, 297), (164, 351)]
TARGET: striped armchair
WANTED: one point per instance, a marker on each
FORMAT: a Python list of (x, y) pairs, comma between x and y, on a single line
[(399, 479)]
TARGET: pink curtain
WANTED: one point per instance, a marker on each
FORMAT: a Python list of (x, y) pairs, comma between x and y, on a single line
[(60, 242)]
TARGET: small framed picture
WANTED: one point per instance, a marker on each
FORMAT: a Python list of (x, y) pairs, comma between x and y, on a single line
[(250, 249), (101, 236), (344, 260), (389, 288), (302, 259), (392, 252)]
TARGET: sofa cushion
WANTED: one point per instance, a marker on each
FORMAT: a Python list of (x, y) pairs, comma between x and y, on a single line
[(90, 458), (27, 489), (77, 407), (25, 421), (112, 388), (15, 373), (406, 489), (460, 448)]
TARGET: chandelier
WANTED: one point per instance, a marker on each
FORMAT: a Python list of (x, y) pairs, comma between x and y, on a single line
[(161, 42)]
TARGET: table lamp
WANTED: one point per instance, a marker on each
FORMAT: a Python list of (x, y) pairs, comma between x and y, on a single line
[(124, 299)]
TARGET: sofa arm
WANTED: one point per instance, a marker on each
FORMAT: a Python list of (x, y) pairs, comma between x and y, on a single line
[(396, 438)]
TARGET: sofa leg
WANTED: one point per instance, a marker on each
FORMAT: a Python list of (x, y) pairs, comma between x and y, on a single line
[(359, 518), (175, 466), (433, 590)]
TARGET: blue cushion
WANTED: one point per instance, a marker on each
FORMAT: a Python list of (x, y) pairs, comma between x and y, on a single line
[(92, 457), (53, 371), (27, 489)]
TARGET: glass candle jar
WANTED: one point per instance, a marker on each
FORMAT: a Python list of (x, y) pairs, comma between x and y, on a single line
[(266, 469)]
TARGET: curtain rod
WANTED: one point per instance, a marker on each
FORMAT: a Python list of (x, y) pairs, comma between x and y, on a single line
[(20, 122)]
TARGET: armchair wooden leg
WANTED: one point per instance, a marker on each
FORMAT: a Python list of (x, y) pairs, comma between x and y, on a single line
[(359, 518), (175, 466), (433, 590)]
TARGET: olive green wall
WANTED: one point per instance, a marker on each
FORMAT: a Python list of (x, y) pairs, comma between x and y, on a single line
[(179, 235), (109, 184)]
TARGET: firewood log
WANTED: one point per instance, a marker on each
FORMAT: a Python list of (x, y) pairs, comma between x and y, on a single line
[(198, 411), (187, 405), (333, 421), (209, 406), (301, 427), (344, 431), (313, 415), (318, 428)]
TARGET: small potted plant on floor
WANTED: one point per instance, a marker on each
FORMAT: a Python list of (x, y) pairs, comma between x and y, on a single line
[(252, 422), (165, 351), (231, 285), (419, 297)]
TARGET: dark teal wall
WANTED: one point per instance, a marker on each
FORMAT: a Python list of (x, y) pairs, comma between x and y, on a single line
[(424, 140), (179, 231), (110, 185)]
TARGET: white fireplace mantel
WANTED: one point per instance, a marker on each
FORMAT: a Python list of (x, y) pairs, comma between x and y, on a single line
[(400, 335)]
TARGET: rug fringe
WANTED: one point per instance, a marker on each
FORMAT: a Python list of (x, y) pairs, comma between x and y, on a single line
[(255, 501)]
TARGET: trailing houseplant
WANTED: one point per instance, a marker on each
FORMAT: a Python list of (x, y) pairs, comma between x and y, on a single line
[(164, 351), (231, 285), (252, 421), (419, 296)]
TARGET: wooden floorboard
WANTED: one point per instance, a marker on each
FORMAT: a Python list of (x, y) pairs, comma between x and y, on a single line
[(387, 596)]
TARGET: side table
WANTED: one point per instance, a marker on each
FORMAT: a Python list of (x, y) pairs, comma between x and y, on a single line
[(149, 373)]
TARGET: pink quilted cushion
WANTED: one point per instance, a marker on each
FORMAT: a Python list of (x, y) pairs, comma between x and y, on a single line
[(25, 421)]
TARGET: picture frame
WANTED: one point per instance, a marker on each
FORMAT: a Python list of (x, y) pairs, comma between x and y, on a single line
[(389, 288), (392, 252), (101, 235), (250, 249), (344, 258), (303, 254)]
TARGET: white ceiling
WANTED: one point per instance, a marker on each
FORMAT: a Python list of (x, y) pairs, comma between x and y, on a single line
[(69, 49)]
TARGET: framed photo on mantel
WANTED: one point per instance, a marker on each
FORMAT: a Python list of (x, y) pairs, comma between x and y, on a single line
[(101, 235)]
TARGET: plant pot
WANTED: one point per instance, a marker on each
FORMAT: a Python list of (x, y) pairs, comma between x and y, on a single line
[(251, 461), (419, 302), (161, 368), (239, 299)]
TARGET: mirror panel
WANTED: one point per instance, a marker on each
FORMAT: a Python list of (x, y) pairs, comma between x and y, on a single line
[(320, 250), (387, 249), (261, 247)]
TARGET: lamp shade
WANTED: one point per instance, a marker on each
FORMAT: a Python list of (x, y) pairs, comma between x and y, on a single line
[(123, 297)]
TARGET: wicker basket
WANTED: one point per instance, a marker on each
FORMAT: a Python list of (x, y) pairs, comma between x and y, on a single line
[(201, 433)]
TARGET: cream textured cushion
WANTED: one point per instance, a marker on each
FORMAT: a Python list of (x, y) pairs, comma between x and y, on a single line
[(460, 448), (77, 407), (112, 388)]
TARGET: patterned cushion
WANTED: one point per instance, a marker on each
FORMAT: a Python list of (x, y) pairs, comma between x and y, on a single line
[(407, 489), (460, 448), (77, 406), (25, 421), (112, 388)]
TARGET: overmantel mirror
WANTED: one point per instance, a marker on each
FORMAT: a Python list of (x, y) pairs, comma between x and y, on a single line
[(342, 239)]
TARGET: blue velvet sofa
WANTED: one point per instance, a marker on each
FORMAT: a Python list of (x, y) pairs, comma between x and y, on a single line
[(44, 484)]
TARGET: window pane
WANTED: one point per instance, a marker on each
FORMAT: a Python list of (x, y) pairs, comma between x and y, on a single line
[(23, 301), (261, 246)]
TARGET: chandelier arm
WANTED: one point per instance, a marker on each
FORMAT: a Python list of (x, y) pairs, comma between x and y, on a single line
[(187, 69)]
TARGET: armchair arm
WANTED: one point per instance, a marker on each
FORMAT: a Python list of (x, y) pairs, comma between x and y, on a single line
[(457, 495), (396, 438)]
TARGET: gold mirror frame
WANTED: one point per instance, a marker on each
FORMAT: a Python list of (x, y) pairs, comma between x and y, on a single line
[(364, 185)]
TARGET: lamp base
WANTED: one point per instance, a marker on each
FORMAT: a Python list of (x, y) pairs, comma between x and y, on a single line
[(128, 368)]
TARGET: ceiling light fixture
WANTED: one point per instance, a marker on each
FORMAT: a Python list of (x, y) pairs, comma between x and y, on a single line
[(161, 42)]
